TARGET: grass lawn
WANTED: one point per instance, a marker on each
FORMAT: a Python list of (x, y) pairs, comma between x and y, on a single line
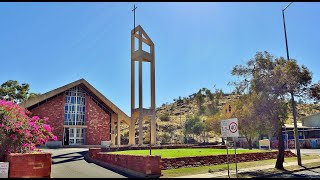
[(174, 153), (222, 167), (274, 171)]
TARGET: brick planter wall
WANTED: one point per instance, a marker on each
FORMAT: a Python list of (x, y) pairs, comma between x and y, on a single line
[(142, 166), (123, 148), (173, 163), (29, 165), (153, 165), (93, 152)]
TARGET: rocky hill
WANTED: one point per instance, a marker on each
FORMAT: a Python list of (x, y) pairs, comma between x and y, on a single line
[(171, 117), (177, 113)]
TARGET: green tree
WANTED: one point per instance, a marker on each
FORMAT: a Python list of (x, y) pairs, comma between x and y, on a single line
[(198, 128), (33, 95), (293, 80), (269, 110), (11, 90), (179, 101), (215, 122), (315, 91), (189, 125), (277, 79), (213, 101), (200, 100), (195, 126), (209, 95), (244, 111), (164, 138)]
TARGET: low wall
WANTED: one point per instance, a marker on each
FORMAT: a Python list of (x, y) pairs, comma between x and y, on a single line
[(144, 166), (93, 152), (138, 166), (173, 163), (29, 165), (123, 148)]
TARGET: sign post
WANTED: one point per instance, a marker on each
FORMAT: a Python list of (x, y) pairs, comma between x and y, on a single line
[(229, 128), (4, 169), (227, 157), (235, 155)]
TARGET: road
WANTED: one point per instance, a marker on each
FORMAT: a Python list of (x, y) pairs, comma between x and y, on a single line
[(307, 151), (70, 163), (305, 173)]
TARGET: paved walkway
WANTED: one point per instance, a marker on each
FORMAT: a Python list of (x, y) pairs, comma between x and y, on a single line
[(225, 173), (70, 163)]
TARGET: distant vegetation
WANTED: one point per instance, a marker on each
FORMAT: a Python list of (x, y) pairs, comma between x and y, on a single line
[(11, 90)]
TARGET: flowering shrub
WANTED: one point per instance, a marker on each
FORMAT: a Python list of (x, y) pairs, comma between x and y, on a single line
[(20, 133)]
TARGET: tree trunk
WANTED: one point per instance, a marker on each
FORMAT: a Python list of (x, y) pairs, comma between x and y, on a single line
[(250, 143), (249, 140), (296, 135), (280, 156), (204, 137)]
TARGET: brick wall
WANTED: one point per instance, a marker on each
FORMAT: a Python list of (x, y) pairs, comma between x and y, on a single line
[(29, 165), (149, 166), (54, 110), (173, 163), (155, 164), (123, 148), (97, 120), (93, 152), (98, 123)]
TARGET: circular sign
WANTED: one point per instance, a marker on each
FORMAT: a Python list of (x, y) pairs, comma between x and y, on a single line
[(233, 127)]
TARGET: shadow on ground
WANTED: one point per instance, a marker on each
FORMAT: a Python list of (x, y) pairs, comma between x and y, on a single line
[(79, 156), (68, 157), (284, 173)]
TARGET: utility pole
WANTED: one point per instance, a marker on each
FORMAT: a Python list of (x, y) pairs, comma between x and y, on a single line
[(180, 124), (296, 135)]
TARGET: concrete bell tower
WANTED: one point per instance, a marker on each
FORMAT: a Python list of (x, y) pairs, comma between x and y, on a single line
[(140, 113)]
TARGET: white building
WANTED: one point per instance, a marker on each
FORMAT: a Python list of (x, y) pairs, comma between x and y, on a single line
[(312, 120)]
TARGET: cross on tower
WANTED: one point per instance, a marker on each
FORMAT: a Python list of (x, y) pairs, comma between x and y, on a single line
[(134, 17)]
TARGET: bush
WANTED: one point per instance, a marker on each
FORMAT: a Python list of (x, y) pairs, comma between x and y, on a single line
[(164, 138), (165, 117), (20, 133), (190, 140)]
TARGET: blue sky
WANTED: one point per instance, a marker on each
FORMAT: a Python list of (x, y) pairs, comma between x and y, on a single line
[(196, 44)]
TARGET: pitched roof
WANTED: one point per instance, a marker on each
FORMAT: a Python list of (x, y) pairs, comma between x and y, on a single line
[(83, 82), (302, 119)]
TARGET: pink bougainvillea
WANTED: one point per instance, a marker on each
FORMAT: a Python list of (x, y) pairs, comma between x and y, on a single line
[(47, 127), (20, 133)]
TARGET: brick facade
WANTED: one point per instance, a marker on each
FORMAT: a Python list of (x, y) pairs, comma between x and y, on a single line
[(54, 110), (98, 123), (97, 120)]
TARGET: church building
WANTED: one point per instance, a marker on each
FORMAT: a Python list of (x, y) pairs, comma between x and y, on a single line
[(79, 115)]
